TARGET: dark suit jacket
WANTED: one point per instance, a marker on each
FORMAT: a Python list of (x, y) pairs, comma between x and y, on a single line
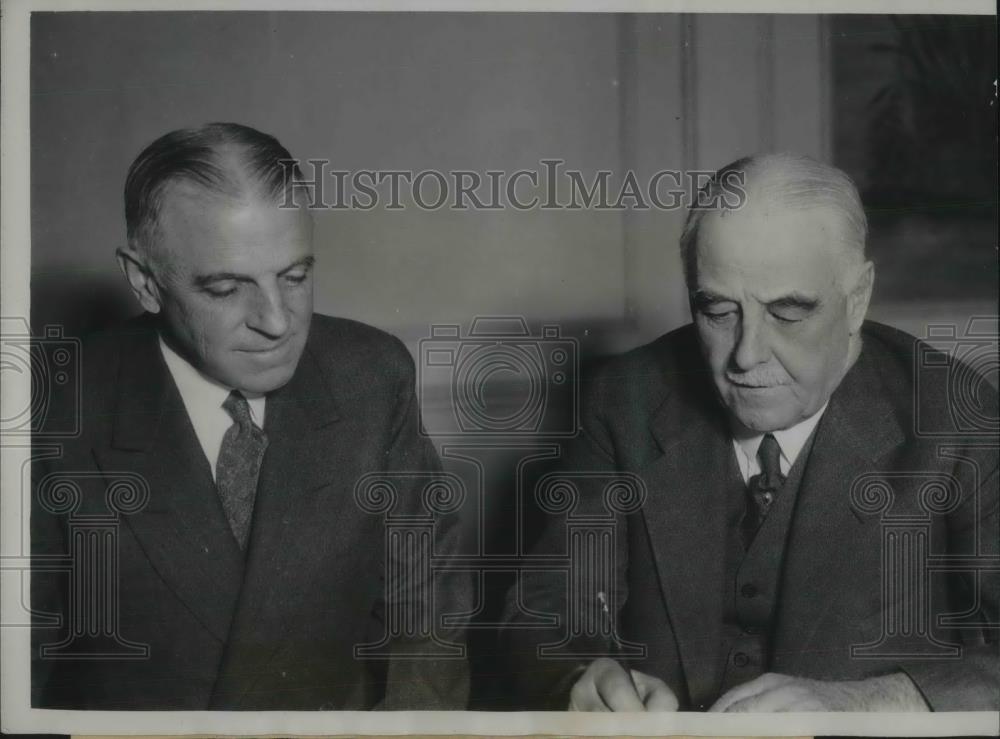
[(279, 635), (654, 412)]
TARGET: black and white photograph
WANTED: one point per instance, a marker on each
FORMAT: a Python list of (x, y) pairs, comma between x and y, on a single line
[(460, 369)]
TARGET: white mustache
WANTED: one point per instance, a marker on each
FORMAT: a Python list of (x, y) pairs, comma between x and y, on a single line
[(767, 378)]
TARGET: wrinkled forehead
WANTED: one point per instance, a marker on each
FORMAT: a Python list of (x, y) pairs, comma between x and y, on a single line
[(197, 225), (771, 246)]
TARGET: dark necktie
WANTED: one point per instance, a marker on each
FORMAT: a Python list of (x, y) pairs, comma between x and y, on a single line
[(762, 488), (238, 466)]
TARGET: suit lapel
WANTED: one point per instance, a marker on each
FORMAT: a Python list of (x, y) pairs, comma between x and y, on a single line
[(302, 430), (291, 523), (182, 529), (858, 429), (685, 516)]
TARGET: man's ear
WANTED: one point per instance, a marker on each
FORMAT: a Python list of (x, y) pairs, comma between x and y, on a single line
[(859, 296), (136, 270)]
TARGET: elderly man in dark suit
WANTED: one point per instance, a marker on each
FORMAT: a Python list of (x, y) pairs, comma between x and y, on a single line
[(777, 440), (248, 577)]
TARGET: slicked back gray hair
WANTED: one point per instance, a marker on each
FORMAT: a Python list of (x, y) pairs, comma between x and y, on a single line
[(223, 158)]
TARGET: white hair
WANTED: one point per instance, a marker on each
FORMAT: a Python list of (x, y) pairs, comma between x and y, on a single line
[(791, 180)]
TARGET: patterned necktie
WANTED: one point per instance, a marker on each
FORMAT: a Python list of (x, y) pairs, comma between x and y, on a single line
[(762, 488), (238, 466)]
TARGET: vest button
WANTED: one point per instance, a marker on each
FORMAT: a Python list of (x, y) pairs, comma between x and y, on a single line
[(749, 590), (751, 630), (741, 659)]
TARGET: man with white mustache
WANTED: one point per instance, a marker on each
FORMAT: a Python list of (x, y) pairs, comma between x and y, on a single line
[(752, 579)]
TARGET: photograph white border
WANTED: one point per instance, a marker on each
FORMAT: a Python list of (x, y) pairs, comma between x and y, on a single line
[(15, 260)]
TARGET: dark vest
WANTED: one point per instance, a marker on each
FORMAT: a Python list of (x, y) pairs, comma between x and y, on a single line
[(753, 577)]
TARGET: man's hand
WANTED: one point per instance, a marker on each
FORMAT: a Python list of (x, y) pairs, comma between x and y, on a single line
[(772, 692), (605, 686)]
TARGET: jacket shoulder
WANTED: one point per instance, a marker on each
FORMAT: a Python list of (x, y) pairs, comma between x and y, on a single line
[(644, 376), (346, 345)]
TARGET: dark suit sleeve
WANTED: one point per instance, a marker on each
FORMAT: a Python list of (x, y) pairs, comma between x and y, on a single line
[(424, 673), (971, 682), (544, 681)]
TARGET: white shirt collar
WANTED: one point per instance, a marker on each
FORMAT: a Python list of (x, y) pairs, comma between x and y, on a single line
[(203, 398), (791, 441)]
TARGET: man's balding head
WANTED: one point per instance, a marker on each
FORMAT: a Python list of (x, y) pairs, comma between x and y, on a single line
[(783, 180), (227, 161)]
